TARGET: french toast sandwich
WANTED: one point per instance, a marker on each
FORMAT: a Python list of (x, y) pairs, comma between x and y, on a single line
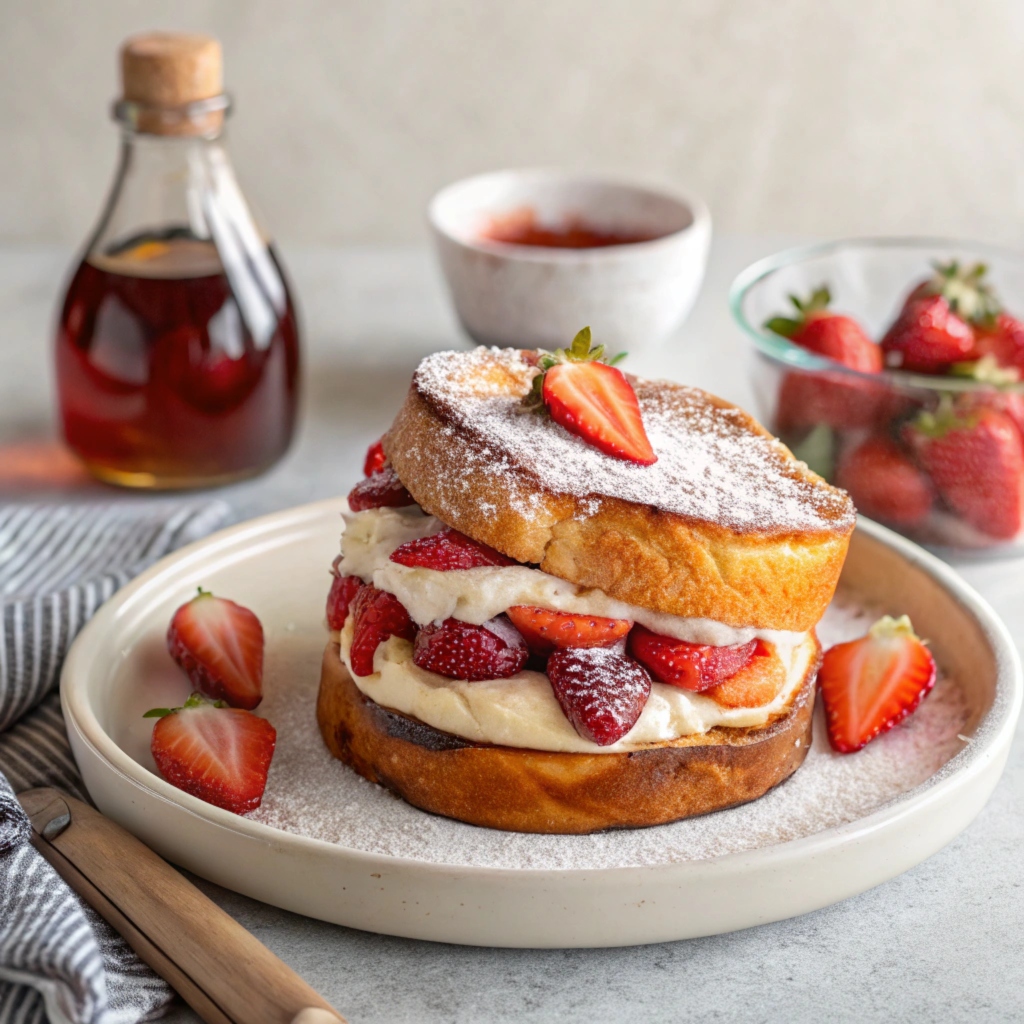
[(571, 600)]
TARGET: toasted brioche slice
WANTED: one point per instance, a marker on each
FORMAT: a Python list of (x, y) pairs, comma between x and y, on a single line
[(559, 793), (726, 525)]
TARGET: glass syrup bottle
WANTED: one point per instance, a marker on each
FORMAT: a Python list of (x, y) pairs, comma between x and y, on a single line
[(177, 350)]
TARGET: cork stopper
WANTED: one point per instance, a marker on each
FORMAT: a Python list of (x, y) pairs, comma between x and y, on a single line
[(163, 72)]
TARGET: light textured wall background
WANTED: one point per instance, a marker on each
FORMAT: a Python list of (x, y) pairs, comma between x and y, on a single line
[(801, 116)]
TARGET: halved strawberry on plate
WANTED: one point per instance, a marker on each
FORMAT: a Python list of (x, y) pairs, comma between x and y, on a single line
[(871, 684), (219, 644), (221, 755)]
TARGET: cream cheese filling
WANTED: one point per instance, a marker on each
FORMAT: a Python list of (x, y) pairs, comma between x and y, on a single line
[(476, 595), (522, 711)]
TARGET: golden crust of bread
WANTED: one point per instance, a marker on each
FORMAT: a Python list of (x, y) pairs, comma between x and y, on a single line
[(728, 525), (558, 793)]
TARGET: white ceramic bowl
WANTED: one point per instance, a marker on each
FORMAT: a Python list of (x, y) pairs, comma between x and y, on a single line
[(633, 295)]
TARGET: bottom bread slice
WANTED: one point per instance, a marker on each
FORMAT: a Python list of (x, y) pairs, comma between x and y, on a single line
[(558, 793)]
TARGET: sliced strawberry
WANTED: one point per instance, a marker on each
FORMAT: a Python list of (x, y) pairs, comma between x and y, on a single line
[(545, 630), (218, 754), (446, 551), (871, 684), (600, 690), (382, 490), (757, 683), (689, 666), (219, 644), (976, 460), (461, 650), (377, 615), (596, 402), (339, 598), (828, 334), (885, 484), (375, 458), (592, 400)]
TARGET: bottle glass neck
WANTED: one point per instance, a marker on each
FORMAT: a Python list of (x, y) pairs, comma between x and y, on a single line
[(175, 211)]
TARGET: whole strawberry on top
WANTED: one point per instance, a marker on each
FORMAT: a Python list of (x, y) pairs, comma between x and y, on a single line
[(871, 684), (817, 329), (936, 326), (219, 644), (592, 399)]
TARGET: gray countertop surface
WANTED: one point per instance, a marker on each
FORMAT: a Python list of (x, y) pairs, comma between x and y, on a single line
[(943, 942)]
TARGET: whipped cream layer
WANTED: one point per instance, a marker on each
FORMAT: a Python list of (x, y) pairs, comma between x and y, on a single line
[(522, 711), (476, 595)]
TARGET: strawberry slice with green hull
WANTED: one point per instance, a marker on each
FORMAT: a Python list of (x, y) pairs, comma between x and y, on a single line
[(219, 644), (340, 597), (447, 551), (381, 490), (600, 690), (593, 400), (545, 630), (596, 402), (695, 667), (218, 754), (377, 615), (871, 684), (462, 650)]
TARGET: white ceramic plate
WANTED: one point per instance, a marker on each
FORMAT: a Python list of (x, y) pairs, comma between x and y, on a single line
[(540, 891)]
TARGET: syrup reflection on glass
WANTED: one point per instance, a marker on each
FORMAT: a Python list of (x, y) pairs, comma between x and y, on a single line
[(174, 366)]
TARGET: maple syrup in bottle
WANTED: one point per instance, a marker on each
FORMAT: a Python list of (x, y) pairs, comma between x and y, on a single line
[(177, 350)]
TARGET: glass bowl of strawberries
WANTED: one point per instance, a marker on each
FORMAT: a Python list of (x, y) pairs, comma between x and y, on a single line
[(894, 368)]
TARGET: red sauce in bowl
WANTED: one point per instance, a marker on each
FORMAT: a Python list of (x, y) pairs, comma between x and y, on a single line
[(522, 228)]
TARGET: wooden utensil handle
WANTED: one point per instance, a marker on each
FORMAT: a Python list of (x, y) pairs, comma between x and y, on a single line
[(225, 974)]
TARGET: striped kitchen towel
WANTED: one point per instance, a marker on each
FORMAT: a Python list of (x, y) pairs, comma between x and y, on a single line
[(58, 564)]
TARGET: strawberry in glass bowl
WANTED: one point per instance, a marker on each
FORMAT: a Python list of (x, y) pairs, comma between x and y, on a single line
[(895, 368)]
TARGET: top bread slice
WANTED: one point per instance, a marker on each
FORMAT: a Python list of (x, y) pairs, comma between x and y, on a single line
[(726, 525)]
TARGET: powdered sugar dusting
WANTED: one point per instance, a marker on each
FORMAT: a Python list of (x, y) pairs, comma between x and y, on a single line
[(711, 465), (310, 793)]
